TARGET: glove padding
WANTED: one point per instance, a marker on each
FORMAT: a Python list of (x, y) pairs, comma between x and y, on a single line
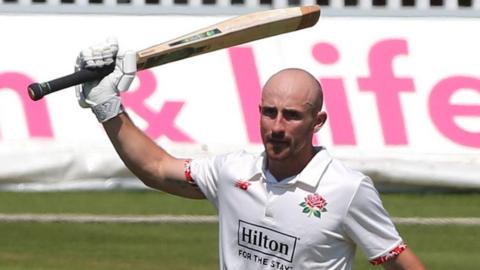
[(103, 96)]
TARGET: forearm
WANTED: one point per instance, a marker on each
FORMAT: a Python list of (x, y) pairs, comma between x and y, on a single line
[(139, 153), (407, 260), (148, 161)]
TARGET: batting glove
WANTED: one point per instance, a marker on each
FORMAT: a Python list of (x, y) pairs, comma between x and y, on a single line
[(103, 96)]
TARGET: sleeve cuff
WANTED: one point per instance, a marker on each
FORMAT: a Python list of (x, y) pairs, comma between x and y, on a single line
[(188, 173), (108, 109), (390, 255)]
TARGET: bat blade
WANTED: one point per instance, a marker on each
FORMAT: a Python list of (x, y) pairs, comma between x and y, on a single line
[(232, 32)]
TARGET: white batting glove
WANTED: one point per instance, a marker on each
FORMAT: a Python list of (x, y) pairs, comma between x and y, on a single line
[(103, 96)]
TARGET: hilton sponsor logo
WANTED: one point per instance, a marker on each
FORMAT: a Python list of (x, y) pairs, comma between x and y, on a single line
[(266, 240)]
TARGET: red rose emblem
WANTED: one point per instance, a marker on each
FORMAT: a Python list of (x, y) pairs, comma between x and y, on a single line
[(315, 201), (314, 204)]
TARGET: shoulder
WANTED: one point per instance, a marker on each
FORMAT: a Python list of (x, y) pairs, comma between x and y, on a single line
[(344, 184), (344, 176), (239, 158)]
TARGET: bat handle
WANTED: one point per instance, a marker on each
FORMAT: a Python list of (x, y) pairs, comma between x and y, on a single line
[(38, 90)]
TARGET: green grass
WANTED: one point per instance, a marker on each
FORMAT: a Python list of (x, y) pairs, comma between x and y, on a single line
[(58, 246), (151, 202), (108, 246), (102, 202), (433, 205)]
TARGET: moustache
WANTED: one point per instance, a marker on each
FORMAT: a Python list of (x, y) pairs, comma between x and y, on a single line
[(277, 139)]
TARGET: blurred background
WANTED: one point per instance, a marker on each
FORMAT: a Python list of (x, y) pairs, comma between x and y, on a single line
[(402, 90)]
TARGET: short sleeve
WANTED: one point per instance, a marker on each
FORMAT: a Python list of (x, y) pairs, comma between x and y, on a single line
[(368, 224), (204, 173)]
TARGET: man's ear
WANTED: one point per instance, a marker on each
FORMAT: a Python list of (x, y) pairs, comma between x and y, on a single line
[(320, 119)]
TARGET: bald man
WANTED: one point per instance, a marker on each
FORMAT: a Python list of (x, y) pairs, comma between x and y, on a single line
[(291, 207), (291, 112)]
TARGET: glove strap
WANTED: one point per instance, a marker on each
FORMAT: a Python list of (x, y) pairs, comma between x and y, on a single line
[(108, 109)]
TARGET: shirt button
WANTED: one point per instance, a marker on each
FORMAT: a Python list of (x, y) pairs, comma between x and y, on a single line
[(268, 212)]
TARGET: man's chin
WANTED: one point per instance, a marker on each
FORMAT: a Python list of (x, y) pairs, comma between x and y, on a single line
[(284, 154)]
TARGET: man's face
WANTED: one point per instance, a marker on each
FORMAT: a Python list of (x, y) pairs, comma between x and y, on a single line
[(287, 122)]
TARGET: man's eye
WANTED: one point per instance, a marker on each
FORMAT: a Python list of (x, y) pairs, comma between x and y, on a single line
[(292, 115), (269, 112)]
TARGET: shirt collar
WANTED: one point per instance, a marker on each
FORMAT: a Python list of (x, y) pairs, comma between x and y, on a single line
[(316, 168), (310, 175)]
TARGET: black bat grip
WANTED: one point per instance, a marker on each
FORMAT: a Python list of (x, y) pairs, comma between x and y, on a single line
[(38, 90)]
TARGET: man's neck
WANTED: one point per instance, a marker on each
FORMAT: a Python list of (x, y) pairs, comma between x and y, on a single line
[(282, 169)]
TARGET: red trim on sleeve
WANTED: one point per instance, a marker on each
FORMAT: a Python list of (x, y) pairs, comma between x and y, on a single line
[(392, 254), (188, 172)]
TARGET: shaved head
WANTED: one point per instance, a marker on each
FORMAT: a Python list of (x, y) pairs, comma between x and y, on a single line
[(295, 83)]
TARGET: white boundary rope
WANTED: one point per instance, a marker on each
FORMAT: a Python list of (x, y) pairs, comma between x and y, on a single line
[(468, 221), (69, 218)]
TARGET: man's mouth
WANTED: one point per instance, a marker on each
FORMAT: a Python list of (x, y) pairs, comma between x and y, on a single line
[(278, 143)]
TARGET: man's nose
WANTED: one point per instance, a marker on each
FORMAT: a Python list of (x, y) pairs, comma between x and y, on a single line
[(278, 126)]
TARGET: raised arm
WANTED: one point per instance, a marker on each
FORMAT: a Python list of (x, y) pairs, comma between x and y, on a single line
[(148, 161)]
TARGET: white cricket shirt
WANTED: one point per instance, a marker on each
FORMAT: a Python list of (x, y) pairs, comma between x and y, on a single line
[(311, 221)]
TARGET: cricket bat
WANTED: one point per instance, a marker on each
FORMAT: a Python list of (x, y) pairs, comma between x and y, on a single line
[(232, 32)]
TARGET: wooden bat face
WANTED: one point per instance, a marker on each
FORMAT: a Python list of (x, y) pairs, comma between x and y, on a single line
[(229, 33)]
